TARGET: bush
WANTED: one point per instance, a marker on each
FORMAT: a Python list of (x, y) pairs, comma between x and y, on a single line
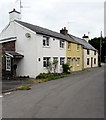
[(44, 75), (66, 68)]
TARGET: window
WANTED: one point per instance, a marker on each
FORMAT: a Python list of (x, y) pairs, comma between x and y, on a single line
[(69, 45), (45, 41), (78, 46), (46, 61), (55, 59), (78, 61), (94, 52), (68, 61), (62, 61), (88, 52), (62, 43), (87, 61), (8, 63), (94, 60)]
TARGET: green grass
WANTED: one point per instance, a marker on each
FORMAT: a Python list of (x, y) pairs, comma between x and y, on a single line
[(52, 78), (24, 88)]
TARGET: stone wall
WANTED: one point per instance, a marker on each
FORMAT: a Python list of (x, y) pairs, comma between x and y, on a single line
[(9, 46)]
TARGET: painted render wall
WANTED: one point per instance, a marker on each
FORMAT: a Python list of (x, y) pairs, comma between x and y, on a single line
[(74, 53), (33, 49), (89, 56)]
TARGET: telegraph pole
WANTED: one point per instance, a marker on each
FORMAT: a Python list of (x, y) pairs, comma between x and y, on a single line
[(100, 48)]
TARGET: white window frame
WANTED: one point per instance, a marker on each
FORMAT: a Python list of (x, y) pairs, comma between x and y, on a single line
[(69, 60), (46, 41), (69, 45), (62, 60), (62, 44), (8, 63), (78, 47), (78, 61), (46, 60)]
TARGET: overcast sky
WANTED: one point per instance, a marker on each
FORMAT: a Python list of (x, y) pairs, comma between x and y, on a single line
[(79, 16)]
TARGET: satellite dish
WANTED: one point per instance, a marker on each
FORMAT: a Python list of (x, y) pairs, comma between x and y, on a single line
[(28, 35)]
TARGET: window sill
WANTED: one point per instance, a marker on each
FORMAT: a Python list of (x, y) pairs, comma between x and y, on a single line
[(46, 46)]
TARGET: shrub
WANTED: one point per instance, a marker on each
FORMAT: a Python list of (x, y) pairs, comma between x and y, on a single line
[(66, 68)]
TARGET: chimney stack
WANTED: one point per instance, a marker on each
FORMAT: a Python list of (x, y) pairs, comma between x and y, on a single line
[(64, 31), (14, 15), (86, 38)]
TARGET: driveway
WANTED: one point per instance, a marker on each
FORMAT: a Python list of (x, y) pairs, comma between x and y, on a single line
[(78, 96)]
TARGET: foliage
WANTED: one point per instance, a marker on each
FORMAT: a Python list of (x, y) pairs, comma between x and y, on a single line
[(95, 42), (52, 66), (44, 77), (66, 68), (55, 63), (24, 88), (49, 67)]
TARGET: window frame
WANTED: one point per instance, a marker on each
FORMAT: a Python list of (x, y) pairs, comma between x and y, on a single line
[(68, 58), (62, 44), (78, 61), (46, 61), (88, 52), (46, 41), (78, 47), (62, 62), (8, 63), (95, 61), (69, 46)]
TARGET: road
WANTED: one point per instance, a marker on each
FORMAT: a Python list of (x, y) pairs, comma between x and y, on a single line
[(78, 96)]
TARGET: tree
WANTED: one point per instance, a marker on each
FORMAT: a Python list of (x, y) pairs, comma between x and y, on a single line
[(95, 42)]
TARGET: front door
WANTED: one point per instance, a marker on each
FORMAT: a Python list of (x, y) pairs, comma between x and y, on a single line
[(91, 62), (73, 64)]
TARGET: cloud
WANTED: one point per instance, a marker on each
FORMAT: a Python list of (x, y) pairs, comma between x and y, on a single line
[(79, 16)]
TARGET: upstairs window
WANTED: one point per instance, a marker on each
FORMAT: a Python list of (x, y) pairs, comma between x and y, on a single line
[(46, 61), (46, 41), (88, 52), (62, 44), (78, 46), (69, 45), (8, 63), (62, 61), (94, 52)]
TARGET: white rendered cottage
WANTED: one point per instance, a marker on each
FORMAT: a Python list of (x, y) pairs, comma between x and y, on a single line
[(36, 46)]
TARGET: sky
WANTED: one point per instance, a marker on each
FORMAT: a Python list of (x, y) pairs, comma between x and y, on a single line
[(78, 16)]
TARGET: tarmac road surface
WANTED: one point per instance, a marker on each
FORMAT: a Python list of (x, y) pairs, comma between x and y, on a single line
[(78, 96)]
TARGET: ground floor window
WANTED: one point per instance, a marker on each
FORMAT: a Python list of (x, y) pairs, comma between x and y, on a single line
[(8, 63), (68, 60), (94, 60), (46, 61), (78, 61), (87, 61), (62, 61)]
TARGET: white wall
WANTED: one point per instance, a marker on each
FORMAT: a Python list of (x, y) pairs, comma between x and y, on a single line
[(33, 49), (8, 31), (91, 55)]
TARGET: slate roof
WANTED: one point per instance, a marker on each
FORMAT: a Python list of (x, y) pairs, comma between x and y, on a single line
[(45, 31), (85, 44), (51, 33), (14, 54)]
